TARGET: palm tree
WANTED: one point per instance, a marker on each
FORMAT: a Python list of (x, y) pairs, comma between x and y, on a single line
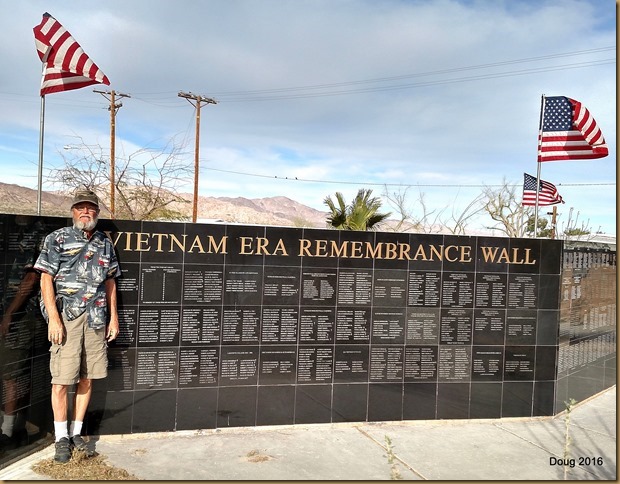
[(361, 214), (338, 217)]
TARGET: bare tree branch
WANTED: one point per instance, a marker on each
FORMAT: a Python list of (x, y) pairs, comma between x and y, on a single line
[(147, 182), (422, 219)]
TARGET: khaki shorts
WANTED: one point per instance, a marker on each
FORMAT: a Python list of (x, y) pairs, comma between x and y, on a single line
[(82, 353)]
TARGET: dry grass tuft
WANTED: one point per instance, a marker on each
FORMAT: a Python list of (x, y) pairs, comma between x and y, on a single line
[(257, 456), (82, 468)]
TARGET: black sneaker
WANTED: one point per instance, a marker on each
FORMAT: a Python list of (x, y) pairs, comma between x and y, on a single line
[(80, 445), (63, 451), (6, 443)]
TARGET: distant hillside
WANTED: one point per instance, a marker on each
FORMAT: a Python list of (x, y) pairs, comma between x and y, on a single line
[(280, 211), (266, 211), (22, 200)]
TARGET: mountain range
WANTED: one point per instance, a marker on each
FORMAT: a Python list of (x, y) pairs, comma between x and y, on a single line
[(280, 211)]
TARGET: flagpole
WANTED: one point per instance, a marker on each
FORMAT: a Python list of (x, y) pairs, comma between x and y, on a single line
[(542, 109), (40, 177), (63, 49)]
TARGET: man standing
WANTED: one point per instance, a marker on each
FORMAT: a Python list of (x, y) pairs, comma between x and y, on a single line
[(78, 268)]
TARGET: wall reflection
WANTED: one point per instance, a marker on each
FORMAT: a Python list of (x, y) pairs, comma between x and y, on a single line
[(587, 349), (24, 361)]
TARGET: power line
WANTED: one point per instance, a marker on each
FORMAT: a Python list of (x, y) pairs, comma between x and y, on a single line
[(166, 98), (254, 96), (353, 87), (419, 84), (425, 185), (307, 91), (421, 74)]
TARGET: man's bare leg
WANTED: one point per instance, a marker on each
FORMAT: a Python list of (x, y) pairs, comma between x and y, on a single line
[(82, 399), (59, 402), (59, 407)]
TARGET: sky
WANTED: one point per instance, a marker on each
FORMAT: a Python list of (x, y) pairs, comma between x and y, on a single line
[(426, 98)]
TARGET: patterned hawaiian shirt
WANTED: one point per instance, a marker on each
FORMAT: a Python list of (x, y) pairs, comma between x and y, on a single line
[(80, 267)]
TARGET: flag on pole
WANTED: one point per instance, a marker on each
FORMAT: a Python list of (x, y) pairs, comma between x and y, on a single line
[(547, 193), (65, 65), (569, 132)]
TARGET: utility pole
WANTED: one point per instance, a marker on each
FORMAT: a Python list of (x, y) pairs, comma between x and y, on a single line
[(114, 107), (196, 101)]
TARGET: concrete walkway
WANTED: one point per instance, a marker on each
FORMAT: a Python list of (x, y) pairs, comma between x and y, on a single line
[(501, 449)]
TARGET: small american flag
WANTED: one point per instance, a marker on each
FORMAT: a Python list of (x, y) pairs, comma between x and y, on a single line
[(569, 132), (66, 65), (547, 194)]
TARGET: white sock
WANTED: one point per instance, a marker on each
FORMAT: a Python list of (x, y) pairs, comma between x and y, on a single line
[(7, 425), (76, 427), (60, 430)]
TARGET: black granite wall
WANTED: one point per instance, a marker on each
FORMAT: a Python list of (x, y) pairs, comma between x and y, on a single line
[(227, 325)]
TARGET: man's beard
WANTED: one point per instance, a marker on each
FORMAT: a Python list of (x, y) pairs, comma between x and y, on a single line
[(87, 226)]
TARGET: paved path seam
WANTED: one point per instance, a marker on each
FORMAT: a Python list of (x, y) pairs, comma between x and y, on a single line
[(525, 440), (366, 434), (588, 429)]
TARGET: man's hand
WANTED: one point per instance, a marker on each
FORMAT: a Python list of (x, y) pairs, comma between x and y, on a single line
[(112, 330), (5, 324), (55, 330), (110, 291)]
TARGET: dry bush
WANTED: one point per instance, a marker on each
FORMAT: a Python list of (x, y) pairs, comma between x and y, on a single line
[(82, 468)]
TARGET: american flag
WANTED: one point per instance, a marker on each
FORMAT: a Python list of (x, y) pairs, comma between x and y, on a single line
[(569, 132), (547, 193), (65, 65)]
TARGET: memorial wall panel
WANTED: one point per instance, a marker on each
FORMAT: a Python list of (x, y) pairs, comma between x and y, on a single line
[(230, 325)]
